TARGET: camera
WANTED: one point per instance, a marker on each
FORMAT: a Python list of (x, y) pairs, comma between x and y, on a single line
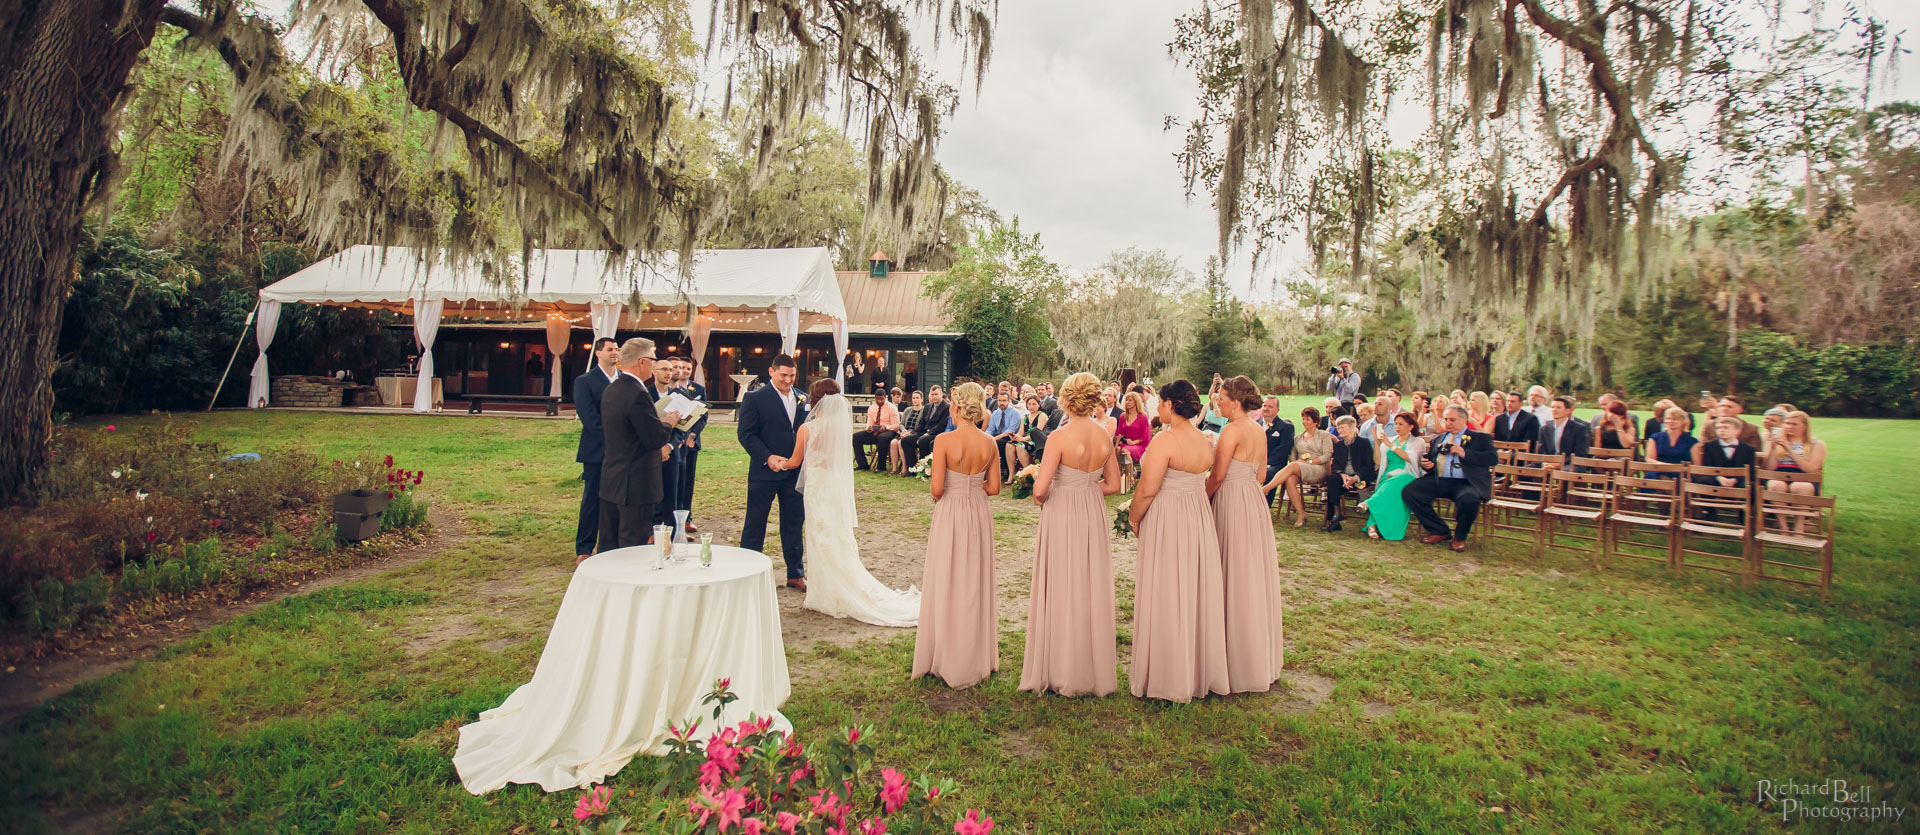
[(1333, 370)]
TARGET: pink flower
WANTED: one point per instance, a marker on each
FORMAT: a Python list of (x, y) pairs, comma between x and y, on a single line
[(723, 754), (826, 804), (853, 734), (723, 684), (793, 748), (389, 461), (730, 805), (753, 826), (710, 775), (150, 536), (389, 494), (873, 826), (973, 824), (111, 427), (799, 774), (893, 790), (593, 803), (786, 821), (933, 792)]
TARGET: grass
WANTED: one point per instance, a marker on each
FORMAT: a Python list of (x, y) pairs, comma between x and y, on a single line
[(1424, 691)]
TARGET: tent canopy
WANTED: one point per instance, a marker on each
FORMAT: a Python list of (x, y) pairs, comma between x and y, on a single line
[(737, 280)]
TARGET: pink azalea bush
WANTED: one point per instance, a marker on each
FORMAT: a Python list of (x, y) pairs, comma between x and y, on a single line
[(754, 780)]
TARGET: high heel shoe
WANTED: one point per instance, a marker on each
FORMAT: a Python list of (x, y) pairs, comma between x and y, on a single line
[(1373, 532)]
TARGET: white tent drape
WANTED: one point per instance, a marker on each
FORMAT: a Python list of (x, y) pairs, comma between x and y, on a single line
[(426, 323), (263, 328), (606, 319), (789, 318), (702, 328), (840, 351), (559, 330)]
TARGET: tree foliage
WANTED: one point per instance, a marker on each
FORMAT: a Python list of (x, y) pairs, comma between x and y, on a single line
[(1131, 312), (999, 292)]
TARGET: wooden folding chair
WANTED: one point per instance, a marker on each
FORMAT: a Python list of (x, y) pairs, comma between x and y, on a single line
[(1576, 508), (1603, 452), (1516, 490), (1695, 495), (1506, 449), (1644, 504), (1762, 475), (1711, 476), (1797, 523)]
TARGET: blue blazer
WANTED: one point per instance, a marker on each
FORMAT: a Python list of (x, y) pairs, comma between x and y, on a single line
[(587, 389), (765, 431), (700, 394)]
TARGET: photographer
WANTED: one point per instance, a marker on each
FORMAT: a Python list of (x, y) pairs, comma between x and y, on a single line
[(1344, 383)]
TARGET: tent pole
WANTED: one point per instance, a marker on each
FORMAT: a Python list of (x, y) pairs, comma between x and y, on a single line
[(236, 355)]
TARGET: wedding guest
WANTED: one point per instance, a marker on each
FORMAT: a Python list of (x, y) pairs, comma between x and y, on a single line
[(1312, 454), (1658, 423), (1331, 409), (1563, 434), (1499, 405), (1363, 415), (1179, 611), (661, 386), (1353, 466), (690, 447), (937, 418), (1386, 509), (1480, 415), (1279, 432), (883, 425), (1028, 442), (1675, 445), (1771, 420), (1606, 401), (1459, 468), (1249, 563), (1615, 430), (1109, 415), (1517, 425), (1048, 403), (1002, 424), (1730, 406), (1071, 645), (637, 442), (1131, 433), (1540, 403), (1725, 450), (957, 638), (856, 370), (587, 389), (909, 425), (1795, 450)]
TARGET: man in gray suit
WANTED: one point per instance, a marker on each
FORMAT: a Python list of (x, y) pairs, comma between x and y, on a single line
[(637, 443)]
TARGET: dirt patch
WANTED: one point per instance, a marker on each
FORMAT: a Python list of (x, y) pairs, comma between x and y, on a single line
[(1375, 709), (440, 632), (1283, 751), (1021, 745), (1305, 691), (34, 682)]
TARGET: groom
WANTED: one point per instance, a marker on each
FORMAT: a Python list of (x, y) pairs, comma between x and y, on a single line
[(769, 417)]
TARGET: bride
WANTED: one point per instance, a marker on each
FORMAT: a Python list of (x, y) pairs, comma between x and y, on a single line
[(838, 582)]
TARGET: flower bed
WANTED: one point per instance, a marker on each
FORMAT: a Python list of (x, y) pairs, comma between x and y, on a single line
[(141, 523)]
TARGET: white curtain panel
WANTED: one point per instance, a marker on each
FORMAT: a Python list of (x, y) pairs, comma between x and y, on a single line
[(840, 351), (559, 331), (606, 319), (426, 323), (263, 328), (789, 318), (702, 328)]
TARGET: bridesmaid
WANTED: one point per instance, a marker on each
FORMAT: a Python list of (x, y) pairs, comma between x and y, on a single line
[(1249, 564), (957, 639), (1179, 606), (1071, 648)]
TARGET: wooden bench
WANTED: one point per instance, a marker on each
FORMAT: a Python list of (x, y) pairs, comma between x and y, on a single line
[(474, 401)]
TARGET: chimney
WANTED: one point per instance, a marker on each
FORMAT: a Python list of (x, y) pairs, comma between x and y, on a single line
[(877, 264)]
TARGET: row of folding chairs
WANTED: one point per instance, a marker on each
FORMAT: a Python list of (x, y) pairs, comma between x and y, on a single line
[(1679, 515)]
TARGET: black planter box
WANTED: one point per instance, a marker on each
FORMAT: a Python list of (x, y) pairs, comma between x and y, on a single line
[(354, 527), (360, 502)]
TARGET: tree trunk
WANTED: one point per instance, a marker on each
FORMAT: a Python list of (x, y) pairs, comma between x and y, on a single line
[(64, 66), (1479, 370)]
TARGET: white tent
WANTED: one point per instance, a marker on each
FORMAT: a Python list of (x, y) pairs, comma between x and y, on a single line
[(772, 289)]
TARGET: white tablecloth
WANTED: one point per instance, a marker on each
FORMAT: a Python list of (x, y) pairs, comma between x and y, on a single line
[(398, 391), (632, 650)]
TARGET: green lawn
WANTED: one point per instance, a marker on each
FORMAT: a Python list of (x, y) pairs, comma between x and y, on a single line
[(1426, 692)]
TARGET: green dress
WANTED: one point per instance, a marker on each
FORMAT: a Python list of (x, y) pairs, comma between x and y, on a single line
[(1386, 511)]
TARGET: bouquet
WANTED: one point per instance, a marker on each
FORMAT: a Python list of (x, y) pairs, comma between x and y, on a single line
[(924, 469), (1123, 519), (1023, 481)]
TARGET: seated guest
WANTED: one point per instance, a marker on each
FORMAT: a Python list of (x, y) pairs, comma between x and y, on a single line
[(909, 426), (935, 419), (1029, 443), (1312, 455), (1480, 415), (1564, 435), (1730, 406), (1499, 401), (1794, 450), (1002, 424), (1211, 419), (1458, 467), (883, 425), (1353, 466), (1108, 415), (1613, 429), (1772, 419), (1540, 403), (1363, 415), (1131, 432), (1333, 409), (1516, 425), (1673, 445), (1725, 450), (1606, 401)]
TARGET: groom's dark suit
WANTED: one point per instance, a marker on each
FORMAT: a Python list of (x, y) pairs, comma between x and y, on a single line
[(764, 431), (630, 473), (1468, 487)]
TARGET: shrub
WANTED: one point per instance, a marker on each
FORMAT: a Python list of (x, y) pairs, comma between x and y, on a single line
[(55, 605)]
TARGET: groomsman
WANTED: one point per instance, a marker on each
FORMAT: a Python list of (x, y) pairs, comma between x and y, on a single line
[(636, 444), (660, 387), (690, 448), (587, 389)]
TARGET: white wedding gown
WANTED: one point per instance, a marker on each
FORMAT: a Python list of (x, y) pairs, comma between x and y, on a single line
[(837, 581)]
